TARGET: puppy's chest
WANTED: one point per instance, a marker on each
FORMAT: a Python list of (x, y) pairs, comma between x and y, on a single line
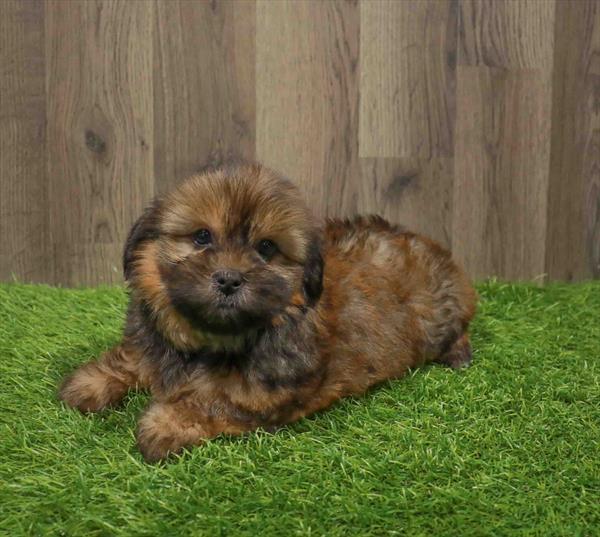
[(277, 373), (259, 372)]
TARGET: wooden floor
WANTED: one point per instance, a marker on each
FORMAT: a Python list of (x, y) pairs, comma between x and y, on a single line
[(476, 122)]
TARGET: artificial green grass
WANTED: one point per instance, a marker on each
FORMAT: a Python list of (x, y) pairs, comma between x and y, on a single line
[(507, 447)]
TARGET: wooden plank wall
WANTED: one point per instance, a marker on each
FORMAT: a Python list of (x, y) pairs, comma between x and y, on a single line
[(474, 121)]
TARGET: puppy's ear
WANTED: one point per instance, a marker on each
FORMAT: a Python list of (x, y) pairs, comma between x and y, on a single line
[(313, 272), (145, 228)]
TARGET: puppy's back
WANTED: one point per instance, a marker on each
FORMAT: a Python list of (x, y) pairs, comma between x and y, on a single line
[(392, 299)]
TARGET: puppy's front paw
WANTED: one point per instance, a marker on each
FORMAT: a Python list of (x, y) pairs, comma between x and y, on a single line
[(163, 432), (90, 389)]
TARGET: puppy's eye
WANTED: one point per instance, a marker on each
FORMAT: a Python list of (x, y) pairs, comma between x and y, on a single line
[(202, 237), (266, 248)]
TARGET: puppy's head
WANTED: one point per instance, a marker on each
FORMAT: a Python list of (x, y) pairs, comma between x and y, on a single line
[(223, 255)]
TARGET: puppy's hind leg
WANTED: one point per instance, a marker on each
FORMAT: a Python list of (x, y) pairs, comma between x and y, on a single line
[(103, 382), (459, 354)]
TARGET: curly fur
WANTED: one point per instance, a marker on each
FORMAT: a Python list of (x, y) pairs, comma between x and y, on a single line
[(338, 308)]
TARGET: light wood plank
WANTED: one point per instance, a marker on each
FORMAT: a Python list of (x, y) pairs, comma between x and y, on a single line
[(412, 192), (100, 132), (573, 251), (501, 171), (24, 251), (307, 98), (204, 89), (502, 149), (407, 78), (507, 33)]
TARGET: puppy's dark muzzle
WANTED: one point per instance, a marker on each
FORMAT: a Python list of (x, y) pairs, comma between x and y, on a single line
[(228, 282)]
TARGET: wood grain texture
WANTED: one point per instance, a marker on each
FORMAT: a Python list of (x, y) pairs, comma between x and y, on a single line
[(100, 131), (307, 98), (502, 147), (573, 237), (413, 192), (407, 78), (511, 34), (24, 251), (407, 113), (501, 171), (476, 122), (204, 87)]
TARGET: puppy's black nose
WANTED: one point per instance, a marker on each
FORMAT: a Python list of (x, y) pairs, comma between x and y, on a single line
[(228, 281)]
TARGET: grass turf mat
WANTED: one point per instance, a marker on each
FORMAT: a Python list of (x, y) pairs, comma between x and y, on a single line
[(509, 446)]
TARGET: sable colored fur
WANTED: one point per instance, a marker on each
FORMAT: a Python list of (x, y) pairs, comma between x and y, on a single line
[(245, 313)]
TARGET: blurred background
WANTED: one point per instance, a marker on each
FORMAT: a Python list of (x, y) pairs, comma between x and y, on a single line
[(475, 122)]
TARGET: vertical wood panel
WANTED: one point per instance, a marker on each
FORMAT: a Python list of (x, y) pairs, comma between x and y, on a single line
[(99, 102), (204, 89), (307, 98), (573, 250), (24, 251), (407, 81), (503, 138), (479, 121), (407, 111), (508, 34), (413, 192), (501, 172)]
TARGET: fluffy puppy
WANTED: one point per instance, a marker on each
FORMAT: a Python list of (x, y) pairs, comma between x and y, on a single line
[(245, 313)]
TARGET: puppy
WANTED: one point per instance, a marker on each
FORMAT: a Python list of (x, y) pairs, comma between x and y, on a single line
[(245, 313)]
